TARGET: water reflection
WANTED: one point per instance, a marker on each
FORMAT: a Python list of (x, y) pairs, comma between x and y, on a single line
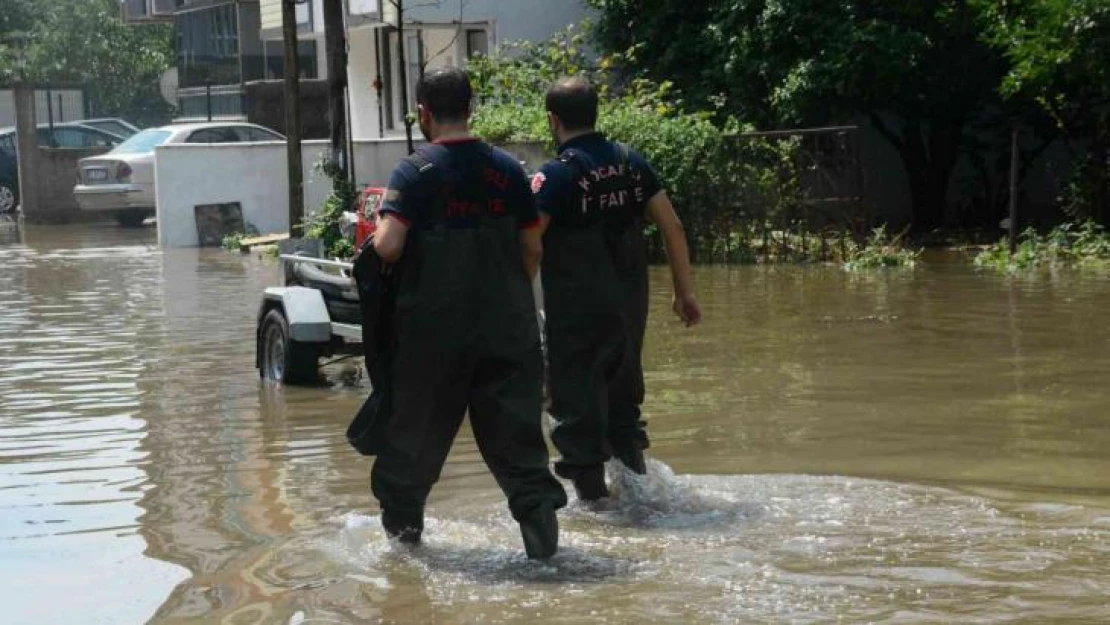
[(910, 446)]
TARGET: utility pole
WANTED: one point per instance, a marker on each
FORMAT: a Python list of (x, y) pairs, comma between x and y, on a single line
[(400, 5), (292, 73), (336, 43), (1013, 188)]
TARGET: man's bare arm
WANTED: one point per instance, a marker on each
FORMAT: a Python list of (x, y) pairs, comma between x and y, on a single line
[(661, 212), (531, 246), (389, 238)]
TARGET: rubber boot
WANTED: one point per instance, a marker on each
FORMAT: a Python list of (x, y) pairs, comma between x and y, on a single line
[(540, 531), (633, 458), (589, 483), (403, 526)]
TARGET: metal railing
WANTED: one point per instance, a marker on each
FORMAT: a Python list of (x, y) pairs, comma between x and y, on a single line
[(211, 102)]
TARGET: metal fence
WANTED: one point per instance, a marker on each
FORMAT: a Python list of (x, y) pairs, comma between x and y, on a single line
[(785, 195), (210, 102)]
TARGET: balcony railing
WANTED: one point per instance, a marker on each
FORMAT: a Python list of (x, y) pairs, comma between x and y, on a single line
[(218, 102)]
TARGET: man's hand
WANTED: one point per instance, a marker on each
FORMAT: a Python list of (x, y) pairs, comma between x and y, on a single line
[(687, 309), (661, 213)]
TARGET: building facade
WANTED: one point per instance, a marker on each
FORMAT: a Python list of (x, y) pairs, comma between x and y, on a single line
[(223, 44), (444, 33)]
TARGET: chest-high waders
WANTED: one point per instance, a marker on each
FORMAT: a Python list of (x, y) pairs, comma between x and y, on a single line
[(466, 341), (626, 432), (590, 332)]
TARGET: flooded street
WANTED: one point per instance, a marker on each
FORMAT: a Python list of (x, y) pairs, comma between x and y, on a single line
[(923, 446)]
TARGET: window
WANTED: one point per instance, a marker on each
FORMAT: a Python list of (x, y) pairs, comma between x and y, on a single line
[(477, 42), (275, 59), (62, 137), (252, 134), (111, 126), (213, 135), (143, 143), (208, 46), (7, 145)]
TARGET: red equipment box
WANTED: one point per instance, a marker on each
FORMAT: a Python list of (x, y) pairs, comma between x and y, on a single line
[(369, 203)]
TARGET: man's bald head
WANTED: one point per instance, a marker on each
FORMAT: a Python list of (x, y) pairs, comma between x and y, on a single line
[(574, 101)]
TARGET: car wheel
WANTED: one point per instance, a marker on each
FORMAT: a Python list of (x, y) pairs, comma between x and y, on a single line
[(131, 219), (8, 198), (283, 359)]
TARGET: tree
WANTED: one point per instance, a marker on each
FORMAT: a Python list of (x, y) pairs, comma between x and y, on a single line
[(85, 43), (1058, 52), (916, 69)]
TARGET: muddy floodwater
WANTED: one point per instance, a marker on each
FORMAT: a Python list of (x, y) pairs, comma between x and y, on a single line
[(924, 446)]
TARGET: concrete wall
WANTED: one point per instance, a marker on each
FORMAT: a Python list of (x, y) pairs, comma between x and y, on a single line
[(361, 72), (56, 176), (252, 174)]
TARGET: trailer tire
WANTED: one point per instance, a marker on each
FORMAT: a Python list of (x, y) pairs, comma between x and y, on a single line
[(281, 358)]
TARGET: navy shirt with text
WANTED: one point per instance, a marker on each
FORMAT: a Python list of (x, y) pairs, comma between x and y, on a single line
[(568, 194), (458, 165)]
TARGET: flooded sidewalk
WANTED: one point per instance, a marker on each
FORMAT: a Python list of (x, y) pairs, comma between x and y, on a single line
[(905, 447)]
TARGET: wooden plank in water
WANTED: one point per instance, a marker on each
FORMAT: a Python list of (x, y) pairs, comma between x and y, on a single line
[(247, 243)]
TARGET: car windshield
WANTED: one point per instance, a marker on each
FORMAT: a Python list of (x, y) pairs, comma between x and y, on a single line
[(143, 142)]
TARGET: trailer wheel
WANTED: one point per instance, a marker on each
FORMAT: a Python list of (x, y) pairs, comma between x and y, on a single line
[(283, 359)]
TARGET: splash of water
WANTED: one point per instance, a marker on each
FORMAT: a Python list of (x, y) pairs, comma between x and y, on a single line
[(662, 500)]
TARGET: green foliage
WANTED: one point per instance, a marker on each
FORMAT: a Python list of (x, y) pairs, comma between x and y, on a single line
[(324, 224), (505, 123), (880, 251), (717, 181), (232, 241), (1085, 245), (1058, 51), (918, 70), (85, 43)]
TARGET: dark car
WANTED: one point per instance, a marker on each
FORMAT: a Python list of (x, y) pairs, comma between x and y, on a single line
[(69, 135)]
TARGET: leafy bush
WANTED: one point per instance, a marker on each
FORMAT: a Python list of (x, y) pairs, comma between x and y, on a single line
[(325, 223), (1084, 245), (232, 241), (739, 195), (881, 250)]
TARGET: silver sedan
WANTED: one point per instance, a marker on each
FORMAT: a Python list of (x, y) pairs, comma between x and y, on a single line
[(122, 181)]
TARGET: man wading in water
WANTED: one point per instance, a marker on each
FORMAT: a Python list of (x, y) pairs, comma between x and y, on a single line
[(460, 220), (593, 200)]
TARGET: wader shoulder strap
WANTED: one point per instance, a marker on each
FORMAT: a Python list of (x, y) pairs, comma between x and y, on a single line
[(419, 162), (437, 211), (573, 159)]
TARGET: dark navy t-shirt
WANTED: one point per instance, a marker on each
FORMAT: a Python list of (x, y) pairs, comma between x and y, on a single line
[(568, 194), (457, 166)]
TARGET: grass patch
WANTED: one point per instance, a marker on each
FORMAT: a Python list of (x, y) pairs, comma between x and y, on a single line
[(1084, 245)]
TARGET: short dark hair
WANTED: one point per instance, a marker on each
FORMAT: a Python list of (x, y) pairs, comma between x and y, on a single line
[(446, 94), (574, 101)]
